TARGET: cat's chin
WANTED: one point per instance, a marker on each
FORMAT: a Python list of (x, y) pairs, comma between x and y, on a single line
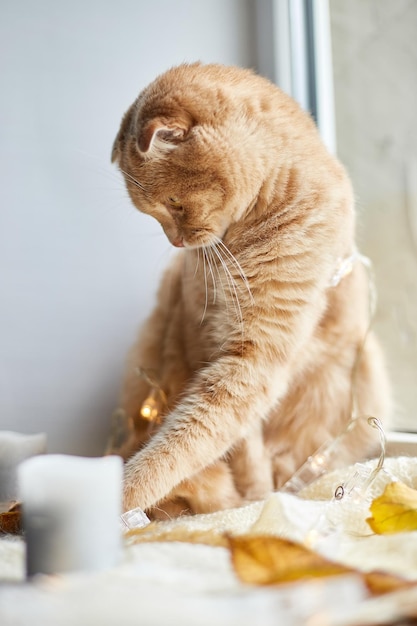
[(200, 245), (196, 238), (209, 240)]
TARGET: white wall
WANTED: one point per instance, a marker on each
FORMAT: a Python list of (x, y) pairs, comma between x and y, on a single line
[(78, 266)]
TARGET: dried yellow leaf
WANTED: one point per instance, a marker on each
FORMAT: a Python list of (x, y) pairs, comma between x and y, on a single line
[(268, 560), (11, 520), (379, 583), (395, 511)]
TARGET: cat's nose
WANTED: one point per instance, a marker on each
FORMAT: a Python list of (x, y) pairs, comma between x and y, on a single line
[(178, 243)]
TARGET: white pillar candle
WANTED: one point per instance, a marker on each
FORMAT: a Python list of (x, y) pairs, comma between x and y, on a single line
[(71, 512), (15, 448)]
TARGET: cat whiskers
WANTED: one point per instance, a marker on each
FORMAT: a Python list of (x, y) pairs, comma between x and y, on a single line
[(134, 181), (231, 283), (210, 267), (219, 244), (205, 258), (211, 261), (198, 263), (217, 257)]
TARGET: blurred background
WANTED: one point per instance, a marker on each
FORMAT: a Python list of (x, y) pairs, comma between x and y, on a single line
[(79, 266), (375, 92)]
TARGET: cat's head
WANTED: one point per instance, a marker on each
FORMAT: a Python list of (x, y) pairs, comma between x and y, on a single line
[(178, 148)]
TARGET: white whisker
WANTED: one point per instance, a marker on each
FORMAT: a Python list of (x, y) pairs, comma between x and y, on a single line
[(205, 285), (231, 284), (133, 180), (237, 265), (210, 261), (198, 263), (215, 258), (215, 254)]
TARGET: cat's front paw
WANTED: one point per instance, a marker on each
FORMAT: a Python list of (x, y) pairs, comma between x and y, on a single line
[(140, 480), (133, 488)]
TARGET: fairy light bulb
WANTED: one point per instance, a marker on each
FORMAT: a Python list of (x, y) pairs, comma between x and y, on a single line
[(151, 406), (152, 410)]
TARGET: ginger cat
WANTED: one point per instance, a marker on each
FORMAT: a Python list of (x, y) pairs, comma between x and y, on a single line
[(253, 339)]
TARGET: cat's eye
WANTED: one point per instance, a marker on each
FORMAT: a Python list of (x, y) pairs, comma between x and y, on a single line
[(174, 203)]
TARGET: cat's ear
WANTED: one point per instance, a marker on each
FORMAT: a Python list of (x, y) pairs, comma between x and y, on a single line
[(161, 134), (120, 137)]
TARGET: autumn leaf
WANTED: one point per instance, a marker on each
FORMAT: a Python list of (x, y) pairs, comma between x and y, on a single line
[(11, 520), (379, 583), (267, 560), (395, 511)]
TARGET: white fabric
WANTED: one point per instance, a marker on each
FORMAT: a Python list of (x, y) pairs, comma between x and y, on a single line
[(187, 584)]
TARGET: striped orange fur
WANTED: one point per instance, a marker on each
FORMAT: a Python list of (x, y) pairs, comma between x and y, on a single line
[(253, 346)]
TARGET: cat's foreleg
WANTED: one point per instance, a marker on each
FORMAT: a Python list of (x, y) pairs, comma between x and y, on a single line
[(220, 406)]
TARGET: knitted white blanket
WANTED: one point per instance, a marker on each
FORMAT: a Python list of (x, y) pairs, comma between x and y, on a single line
[(170, 583)]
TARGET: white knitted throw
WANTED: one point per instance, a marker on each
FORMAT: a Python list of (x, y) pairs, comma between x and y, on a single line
[(170, 583)]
